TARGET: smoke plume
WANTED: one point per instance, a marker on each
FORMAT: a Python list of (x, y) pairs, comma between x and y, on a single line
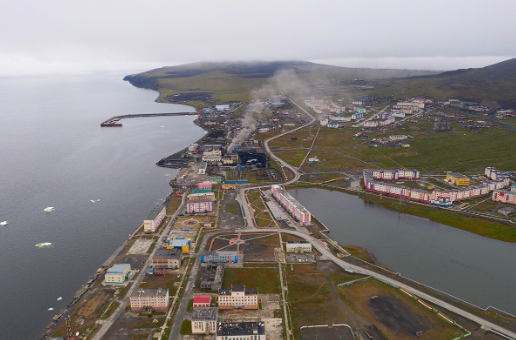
[(284, 81)]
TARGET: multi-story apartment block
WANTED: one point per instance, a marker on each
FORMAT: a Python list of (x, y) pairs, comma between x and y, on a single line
[(151, 300), (291, 205), (238, 297)]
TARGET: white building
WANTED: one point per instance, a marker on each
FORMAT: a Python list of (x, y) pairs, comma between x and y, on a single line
[(222, 108), (298, 247)]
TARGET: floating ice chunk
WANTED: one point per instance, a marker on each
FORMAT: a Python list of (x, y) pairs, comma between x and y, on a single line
[(95, 201), (59, 298), (3, 223), (44, 245), (51, 308), (48, 209), (162, 126), (167, 175)]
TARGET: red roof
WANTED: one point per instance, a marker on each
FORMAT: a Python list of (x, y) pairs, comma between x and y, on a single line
[(202, 299)]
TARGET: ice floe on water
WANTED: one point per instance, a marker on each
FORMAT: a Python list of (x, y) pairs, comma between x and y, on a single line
[(59, 298), (3, 223), (48, 209), (51, 308), (95, 201), (44, 245)]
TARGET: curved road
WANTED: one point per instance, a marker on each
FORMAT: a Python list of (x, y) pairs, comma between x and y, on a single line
[(329, 255), (341, 263)]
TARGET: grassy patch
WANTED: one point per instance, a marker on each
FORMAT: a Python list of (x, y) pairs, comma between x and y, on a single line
[(189, 307), (186, 327), (265, 279)]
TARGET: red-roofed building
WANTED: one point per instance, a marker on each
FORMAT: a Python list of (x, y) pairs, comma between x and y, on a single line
[(201, 301)]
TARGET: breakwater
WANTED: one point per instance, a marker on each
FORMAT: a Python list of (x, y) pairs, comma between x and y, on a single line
[(115, 121)]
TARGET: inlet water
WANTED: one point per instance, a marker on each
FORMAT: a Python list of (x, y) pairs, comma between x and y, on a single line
[(477, 269), (53, 152)]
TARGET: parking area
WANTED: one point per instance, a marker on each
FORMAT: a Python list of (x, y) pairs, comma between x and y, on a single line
[(140, 247), (300, 258)]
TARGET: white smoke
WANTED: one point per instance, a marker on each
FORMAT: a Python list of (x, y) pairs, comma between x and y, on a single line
[(284, 81), (248, 124)]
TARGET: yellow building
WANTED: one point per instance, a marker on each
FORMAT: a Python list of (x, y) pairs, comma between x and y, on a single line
[(458, 179), (180, 243), (118, 273)]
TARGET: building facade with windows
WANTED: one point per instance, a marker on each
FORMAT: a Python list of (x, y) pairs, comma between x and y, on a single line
[(118, 273), (167, 259), (204, 320), (238, 297), (152, 300)]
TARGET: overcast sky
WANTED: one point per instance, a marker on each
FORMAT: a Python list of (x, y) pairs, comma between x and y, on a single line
[(62, 37)]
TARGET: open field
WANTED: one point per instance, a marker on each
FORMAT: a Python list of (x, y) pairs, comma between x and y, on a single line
[(392, 314), (266, 279), (256, 247), (458, 150)]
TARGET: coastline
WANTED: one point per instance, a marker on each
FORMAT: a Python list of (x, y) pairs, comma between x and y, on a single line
[(118, 250)]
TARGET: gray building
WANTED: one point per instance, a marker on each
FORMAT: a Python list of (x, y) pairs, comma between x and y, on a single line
[(212, 276), (223, 256), (241, 331)]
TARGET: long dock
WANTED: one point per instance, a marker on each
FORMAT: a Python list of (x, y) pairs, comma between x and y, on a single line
[(115, 121)]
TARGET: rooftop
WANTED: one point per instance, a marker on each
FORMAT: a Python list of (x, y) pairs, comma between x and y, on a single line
[(179, 242), (247, 291), (202, 299), (155, 212), (221, 253), (118, 268), (456, 174), (204, 313), (168, 254), (150, 292), (242, 328)]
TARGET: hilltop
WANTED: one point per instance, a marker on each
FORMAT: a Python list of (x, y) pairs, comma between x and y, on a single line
[(233, 81), (491, 85)]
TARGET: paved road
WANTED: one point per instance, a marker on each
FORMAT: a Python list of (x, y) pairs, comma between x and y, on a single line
[(137, 281), (329, 255), (188, 294)]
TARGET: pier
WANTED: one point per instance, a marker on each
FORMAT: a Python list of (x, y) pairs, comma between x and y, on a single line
[(115, 121)]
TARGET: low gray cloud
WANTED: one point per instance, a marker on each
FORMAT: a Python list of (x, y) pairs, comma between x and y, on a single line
[(68, 36)]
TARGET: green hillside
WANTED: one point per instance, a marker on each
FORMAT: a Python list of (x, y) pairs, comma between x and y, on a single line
[(491, 85), (228, 81)]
